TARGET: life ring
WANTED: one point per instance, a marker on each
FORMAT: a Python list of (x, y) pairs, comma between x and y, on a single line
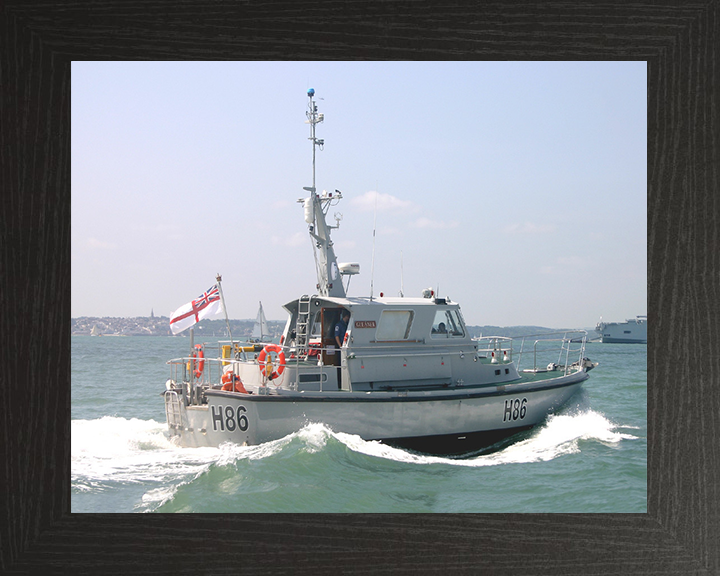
[(232, 382), (199, 364), (266, 368)]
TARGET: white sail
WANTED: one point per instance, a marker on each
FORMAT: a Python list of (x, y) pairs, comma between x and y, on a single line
[(260, 329)]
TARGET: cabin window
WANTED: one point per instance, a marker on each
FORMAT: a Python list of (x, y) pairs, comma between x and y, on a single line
[(447, 324), (394, 325), (316, 326)]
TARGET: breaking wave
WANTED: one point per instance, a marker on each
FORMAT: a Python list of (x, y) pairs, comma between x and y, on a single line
[(113, 452)]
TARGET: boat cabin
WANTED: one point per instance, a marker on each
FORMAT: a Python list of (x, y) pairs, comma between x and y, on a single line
[(387, 344)]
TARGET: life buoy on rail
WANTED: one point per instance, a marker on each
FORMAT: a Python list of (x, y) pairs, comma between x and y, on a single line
[(198, 360), (266, 367), (231, 382)]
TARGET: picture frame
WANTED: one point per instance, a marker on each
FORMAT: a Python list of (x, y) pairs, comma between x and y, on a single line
[(679, 533)]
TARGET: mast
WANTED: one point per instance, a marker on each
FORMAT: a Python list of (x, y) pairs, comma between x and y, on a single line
[(260, 328), (316, 207), (222, 298)]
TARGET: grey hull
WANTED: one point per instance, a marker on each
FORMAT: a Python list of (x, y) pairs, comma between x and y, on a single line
[(392, 417), (622, 341)]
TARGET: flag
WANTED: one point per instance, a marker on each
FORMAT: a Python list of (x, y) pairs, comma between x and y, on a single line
[(206, 305)]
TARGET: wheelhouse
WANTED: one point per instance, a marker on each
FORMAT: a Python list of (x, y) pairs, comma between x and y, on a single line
[(374, 321)]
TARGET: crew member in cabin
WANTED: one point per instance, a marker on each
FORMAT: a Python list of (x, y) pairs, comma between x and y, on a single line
[(440, 329), (341, 327)]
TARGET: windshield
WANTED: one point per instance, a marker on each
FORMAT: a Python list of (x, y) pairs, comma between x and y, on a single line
[(447, 324)]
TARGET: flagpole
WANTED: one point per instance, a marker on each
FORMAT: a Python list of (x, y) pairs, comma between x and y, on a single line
[(227, 321)]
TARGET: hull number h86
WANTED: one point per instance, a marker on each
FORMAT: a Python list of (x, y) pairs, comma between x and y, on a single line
[(515, 409), (227, 418)]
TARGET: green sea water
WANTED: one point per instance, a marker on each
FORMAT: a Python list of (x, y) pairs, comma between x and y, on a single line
[(589, 457)]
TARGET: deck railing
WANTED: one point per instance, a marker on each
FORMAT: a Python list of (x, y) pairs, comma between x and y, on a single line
[(494, 349), (218, 355), (545, 347), (547, 353)]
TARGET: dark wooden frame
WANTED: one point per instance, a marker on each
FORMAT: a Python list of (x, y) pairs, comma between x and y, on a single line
[(681, 530)]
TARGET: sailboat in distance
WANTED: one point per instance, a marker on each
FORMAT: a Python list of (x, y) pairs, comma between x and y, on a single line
[(260, 332)]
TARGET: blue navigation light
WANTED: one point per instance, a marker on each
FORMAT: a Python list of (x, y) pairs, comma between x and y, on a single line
[(311, 92)]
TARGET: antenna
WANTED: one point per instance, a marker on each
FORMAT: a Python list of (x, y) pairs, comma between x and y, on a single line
[(402, 283), (218, 277), (372, 268), (316, 208)]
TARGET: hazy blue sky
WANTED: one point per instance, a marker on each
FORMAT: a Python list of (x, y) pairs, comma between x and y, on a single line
[(518, 189)]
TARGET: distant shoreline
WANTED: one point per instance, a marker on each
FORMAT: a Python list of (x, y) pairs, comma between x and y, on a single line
[(160, 326)]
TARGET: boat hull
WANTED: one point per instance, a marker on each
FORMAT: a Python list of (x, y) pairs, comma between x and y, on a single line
[(611, 340), (449, 422), (456, 444)]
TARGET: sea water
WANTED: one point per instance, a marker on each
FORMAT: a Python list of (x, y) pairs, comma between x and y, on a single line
[(589, 457)]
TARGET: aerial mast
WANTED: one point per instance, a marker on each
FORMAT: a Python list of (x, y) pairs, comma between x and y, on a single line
[(316, 207), (314, 118)]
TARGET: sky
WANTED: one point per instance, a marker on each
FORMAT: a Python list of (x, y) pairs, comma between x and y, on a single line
[(518, 189)]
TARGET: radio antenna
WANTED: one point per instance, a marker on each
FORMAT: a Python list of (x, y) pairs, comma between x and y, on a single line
[(402, 283), (372, 268)]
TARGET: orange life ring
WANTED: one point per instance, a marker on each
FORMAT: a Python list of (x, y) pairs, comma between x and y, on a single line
[(232, 382), (200, 366), (266, 367)]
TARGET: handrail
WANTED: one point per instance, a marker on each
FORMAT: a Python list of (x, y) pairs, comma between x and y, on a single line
[(431, 344), (503, 346), (414, 355), (569, 337), (295, 361), (397, 341)]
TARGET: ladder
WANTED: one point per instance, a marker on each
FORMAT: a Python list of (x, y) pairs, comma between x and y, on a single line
[(301, 328), (172, 411)]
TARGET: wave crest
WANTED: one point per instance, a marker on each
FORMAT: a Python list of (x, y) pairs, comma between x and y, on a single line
[(112, 450)]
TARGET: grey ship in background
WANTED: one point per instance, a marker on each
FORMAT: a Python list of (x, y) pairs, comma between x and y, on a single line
[(632, 331)]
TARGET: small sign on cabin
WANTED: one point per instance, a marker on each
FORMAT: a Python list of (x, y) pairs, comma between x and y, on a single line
[(365, 324)]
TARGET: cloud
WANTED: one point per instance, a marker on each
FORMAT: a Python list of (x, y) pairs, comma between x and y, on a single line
[(530, 228), (385, 203), (435, 224)]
